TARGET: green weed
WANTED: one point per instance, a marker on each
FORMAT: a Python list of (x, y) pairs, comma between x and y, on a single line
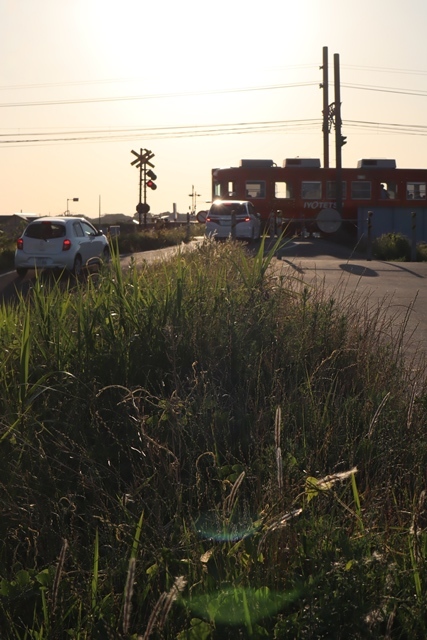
[(179, 446)]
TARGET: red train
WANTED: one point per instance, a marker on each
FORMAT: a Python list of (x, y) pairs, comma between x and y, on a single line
[(305, 196)]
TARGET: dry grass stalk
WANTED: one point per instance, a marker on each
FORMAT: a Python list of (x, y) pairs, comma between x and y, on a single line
[(163, 606), (58, 574), (231, 499), (328, 481), (279, 464), (410, 412), (279, 461), (279, 523), (127, 608), (377, 414), (282, 521), (205, 557), (277, 423), (153, 617)]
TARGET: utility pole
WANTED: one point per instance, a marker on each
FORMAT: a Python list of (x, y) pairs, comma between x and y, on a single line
[(332, 116), (326, 116), (338, 123), (339, 140)]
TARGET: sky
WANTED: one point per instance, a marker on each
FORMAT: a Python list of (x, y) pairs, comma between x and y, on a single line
[(83, 83)]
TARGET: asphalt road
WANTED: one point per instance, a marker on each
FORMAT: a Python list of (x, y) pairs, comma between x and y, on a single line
[(400, 288)]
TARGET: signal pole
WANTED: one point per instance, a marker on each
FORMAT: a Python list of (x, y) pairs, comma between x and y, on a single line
[(142, 160), (193, 195)]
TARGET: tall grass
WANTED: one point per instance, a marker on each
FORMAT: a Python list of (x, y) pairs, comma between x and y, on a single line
[(232, 408)]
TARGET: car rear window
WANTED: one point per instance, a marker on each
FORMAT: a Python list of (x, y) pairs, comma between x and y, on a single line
[(227, 209), (45, 230)]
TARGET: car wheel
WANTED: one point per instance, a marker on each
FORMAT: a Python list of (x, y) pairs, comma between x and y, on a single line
[(21, 271), (78, 266)]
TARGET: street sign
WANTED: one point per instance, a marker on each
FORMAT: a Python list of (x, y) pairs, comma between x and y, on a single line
[(328, 220), (201, 216), (142, 208)]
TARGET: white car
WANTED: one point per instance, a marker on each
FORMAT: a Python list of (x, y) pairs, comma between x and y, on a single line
[(235, 218), (60, 243)]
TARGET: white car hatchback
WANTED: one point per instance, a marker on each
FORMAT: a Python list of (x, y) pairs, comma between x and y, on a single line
[(60, 243), (233, 218)]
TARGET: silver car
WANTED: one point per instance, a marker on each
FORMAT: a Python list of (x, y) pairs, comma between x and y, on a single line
[(235, 218), (60, 243)]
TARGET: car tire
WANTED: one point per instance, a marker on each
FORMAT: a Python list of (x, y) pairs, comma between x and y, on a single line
[(78, 267), (21, 271)]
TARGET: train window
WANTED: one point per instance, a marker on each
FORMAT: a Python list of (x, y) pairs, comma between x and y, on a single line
[(255, 189), (224, 189), (416, 190), (283, 190), (361, 190), (388, 190), (331, 190), (231, 191), (311, 190)]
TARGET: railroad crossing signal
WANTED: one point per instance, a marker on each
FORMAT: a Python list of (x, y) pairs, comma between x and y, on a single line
[(150, 183), (143, 158)]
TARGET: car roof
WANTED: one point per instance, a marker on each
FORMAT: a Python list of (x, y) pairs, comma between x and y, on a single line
[(217, 202), (59, 219)]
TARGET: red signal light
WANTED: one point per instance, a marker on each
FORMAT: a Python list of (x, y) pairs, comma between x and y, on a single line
[(151, 184)]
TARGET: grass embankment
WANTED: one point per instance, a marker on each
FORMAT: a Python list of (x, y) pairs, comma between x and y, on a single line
[(199, 450), (143, 240)]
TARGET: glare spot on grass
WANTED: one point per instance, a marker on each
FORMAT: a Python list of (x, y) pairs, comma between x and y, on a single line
[(213, 526), (238, 605)]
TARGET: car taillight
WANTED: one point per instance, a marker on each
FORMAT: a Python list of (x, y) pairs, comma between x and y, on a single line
[(247, 219), (66, 245), (208, 219), (20, 244)]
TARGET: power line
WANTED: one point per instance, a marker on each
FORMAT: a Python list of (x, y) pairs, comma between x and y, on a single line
[(43, 103), (167, 133), (172, 128), (314, 66), (409, 92), (384, 127), (190, 131), (273, 87), (420, 72)]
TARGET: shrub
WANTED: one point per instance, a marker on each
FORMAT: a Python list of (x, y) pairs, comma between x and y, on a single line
[(7, 259), (392, 246), (422, 252), (152, 239)]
